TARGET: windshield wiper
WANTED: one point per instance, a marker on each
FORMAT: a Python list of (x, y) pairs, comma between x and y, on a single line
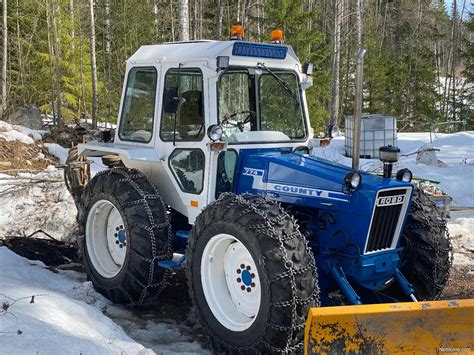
[(280, 81)]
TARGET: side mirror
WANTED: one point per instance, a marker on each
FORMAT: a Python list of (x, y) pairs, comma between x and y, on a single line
[(106, 136), (170, 100)]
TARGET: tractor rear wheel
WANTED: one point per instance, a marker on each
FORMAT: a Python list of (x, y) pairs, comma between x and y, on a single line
[(252, 276), (427, 254), (126, 231)]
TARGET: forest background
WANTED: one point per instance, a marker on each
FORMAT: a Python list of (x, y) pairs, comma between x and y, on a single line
[(67, 57)]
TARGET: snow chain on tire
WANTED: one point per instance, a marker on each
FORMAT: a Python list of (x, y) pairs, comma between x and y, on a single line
[(427, 258), (148, 227), (288, 261)]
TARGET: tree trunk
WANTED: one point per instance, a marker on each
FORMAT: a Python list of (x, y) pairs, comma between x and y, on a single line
[(4, 60), (93, 65), (54, 15), (183, 20), (360, 23), (72, 31), (50, 52), (336, 55), (156, 19), (219, 19)]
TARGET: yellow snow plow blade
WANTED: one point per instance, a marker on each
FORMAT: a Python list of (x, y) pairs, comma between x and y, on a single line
[(393, 328)]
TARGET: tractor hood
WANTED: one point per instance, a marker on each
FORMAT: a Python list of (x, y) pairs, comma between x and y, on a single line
[(371, 216), (307, 180)]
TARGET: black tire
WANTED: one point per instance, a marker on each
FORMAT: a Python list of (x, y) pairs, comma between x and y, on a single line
[(286, 268), (427, 257), (148, 231)]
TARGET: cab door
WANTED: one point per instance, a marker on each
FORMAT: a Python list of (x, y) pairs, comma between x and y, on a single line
[(182, 135)]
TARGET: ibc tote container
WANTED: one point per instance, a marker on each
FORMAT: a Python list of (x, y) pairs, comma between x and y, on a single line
[(376, 131)]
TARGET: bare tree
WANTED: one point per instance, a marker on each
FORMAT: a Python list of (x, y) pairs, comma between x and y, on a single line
[(183, 20), (220, 9), (336, 55), (4, 59), (93, 65), (360, 22), (54, 18)]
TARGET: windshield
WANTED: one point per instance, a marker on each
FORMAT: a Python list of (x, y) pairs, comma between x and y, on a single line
[(257, 101)]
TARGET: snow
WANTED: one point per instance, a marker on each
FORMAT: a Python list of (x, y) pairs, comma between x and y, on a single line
[(456, 152), (461, 231), (30, 202), (58, 320), (58, 151), (18, 133)]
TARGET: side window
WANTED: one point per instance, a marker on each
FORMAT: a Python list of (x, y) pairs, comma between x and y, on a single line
[(187, 166), (190, 115), (136, 123), (225, 171)]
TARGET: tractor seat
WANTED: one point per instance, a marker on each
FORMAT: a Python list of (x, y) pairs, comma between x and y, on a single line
[(191, 117)]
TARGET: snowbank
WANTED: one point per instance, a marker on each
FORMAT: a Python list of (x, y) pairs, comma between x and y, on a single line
[(29, 202), (461, 231), (456, 151), (57, 321), (23, 134)]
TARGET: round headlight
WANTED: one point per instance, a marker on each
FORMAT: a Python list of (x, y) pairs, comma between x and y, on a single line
[(214, 132), (353, 180), (404, 175)]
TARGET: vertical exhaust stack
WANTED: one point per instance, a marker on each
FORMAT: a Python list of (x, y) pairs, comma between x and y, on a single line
[(358, 108)]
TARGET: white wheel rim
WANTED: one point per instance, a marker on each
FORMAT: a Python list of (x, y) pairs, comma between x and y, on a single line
[(106, 240), (230, 282)]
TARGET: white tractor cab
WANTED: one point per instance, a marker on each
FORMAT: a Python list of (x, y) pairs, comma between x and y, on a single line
[(180, 98)]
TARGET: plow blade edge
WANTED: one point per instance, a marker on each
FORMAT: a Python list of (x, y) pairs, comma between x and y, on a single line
[(412, 327)]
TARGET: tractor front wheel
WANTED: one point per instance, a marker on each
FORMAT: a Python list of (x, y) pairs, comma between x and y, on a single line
[(251, 275), (427, 256), (126, 231)]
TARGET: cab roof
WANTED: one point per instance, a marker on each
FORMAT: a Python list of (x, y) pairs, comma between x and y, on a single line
[(239, 53)]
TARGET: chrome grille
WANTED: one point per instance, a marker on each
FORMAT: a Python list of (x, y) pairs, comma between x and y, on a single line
[(390, 208)]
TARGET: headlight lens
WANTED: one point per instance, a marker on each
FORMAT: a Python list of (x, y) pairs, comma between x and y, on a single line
[(214, 132), (353, 180), (404, 175)]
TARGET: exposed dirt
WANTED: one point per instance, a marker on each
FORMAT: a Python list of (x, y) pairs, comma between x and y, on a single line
[(72, 136), (460, 284), (50, 251), (15, 155)]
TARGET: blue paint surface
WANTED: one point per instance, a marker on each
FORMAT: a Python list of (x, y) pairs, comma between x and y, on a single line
[(246, 278), (121, 236)]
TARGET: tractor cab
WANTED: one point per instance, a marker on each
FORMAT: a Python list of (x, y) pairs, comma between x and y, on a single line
[(189, 108)]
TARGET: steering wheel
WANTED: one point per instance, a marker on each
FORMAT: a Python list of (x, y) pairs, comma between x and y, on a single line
[(239, 124)]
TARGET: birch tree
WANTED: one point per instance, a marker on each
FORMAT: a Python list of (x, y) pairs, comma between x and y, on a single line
[(183, 20), (336, 55), (93, 64), (54, 20), (4, 59)]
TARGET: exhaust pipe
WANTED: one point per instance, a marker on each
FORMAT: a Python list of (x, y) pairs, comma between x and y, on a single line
[(358, 108)]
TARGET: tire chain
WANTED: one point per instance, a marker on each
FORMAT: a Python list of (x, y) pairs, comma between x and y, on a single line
[(130, 176), (433, 222), (228, 200)]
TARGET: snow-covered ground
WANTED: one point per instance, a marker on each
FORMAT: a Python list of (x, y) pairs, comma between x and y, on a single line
[(68, 316), (456, 156), (60, 313)]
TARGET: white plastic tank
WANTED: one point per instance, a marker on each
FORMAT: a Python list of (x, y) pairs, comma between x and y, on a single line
[(376, 131)]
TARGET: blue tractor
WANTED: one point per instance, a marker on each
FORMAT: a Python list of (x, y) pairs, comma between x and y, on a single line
[(211, 170)]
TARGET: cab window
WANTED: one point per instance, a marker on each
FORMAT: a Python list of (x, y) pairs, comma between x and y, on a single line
[(136, 123), (188, 114)]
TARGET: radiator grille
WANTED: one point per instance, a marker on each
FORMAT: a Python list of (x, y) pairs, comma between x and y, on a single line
[(386, 219)]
